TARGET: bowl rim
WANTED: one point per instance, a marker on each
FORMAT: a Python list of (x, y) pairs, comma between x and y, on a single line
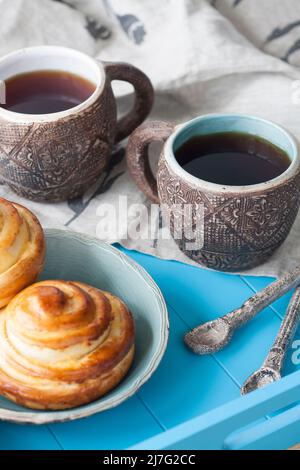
[(44, 417)]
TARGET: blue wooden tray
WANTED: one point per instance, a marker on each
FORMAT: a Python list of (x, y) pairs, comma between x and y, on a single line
[(191, 402)]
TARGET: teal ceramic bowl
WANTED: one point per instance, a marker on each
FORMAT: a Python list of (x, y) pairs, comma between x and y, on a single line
[(74, 256)]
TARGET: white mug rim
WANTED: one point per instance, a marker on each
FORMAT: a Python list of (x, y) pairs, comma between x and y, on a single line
[(13, 116)]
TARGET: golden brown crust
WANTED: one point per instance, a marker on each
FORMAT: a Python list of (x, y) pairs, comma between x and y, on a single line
[(63, 344), (22, 249)]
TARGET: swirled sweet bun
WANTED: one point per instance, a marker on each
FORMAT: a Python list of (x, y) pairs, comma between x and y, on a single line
[(63, 344), (22, 249)]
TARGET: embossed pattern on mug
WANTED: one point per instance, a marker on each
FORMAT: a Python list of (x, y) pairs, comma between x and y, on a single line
[(65, 156), (237, 229)]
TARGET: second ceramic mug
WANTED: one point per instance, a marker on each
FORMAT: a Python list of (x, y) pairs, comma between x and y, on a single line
[(242, 225), (58, 156)]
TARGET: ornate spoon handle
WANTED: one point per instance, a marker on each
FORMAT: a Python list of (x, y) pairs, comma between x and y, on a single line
[(286, 333), (263, 298), (270, 371)]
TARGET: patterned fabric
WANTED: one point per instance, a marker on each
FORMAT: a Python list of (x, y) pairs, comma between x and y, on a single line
[(202, 56)]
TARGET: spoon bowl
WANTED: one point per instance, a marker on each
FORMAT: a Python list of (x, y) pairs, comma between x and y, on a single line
[(259, 379), (209, 337)]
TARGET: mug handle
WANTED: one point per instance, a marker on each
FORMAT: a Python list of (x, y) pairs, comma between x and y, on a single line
[(138, 157), (144, 96)]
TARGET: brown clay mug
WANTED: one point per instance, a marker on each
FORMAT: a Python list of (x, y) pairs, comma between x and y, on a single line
[(242, 225), (58, 156)]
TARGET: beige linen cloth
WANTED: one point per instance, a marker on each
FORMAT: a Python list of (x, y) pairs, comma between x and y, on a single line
[(202, 56)]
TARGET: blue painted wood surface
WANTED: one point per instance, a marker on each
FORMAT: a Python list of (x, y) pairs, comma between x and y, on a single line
[(187, 387)]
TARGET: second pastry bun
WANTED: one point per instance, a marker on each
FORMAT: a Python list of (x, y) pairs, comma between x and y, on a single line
[(63, 344), (22, 249)]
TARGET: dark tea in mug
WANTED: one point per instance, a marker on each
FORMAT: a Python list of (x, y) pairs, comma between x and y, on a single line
[(232, 158), (46, 91)]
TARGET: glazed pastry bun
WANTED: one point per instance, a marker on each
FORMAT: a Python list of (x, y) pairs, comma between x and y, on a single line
[(22, 249), (63, 344)]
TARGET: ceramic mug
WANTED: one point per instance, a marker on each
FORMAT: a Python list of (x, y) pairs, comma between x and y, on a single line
[(242, 225), (58, 156)]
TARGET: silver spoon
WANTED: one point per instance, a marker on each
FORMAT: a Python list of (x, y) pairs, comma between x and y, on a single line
[(216, 334), (271, 368)]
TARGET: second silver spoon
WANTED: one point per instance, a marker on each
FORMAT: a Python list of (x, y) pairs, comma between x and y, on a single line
[(271, 368)]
